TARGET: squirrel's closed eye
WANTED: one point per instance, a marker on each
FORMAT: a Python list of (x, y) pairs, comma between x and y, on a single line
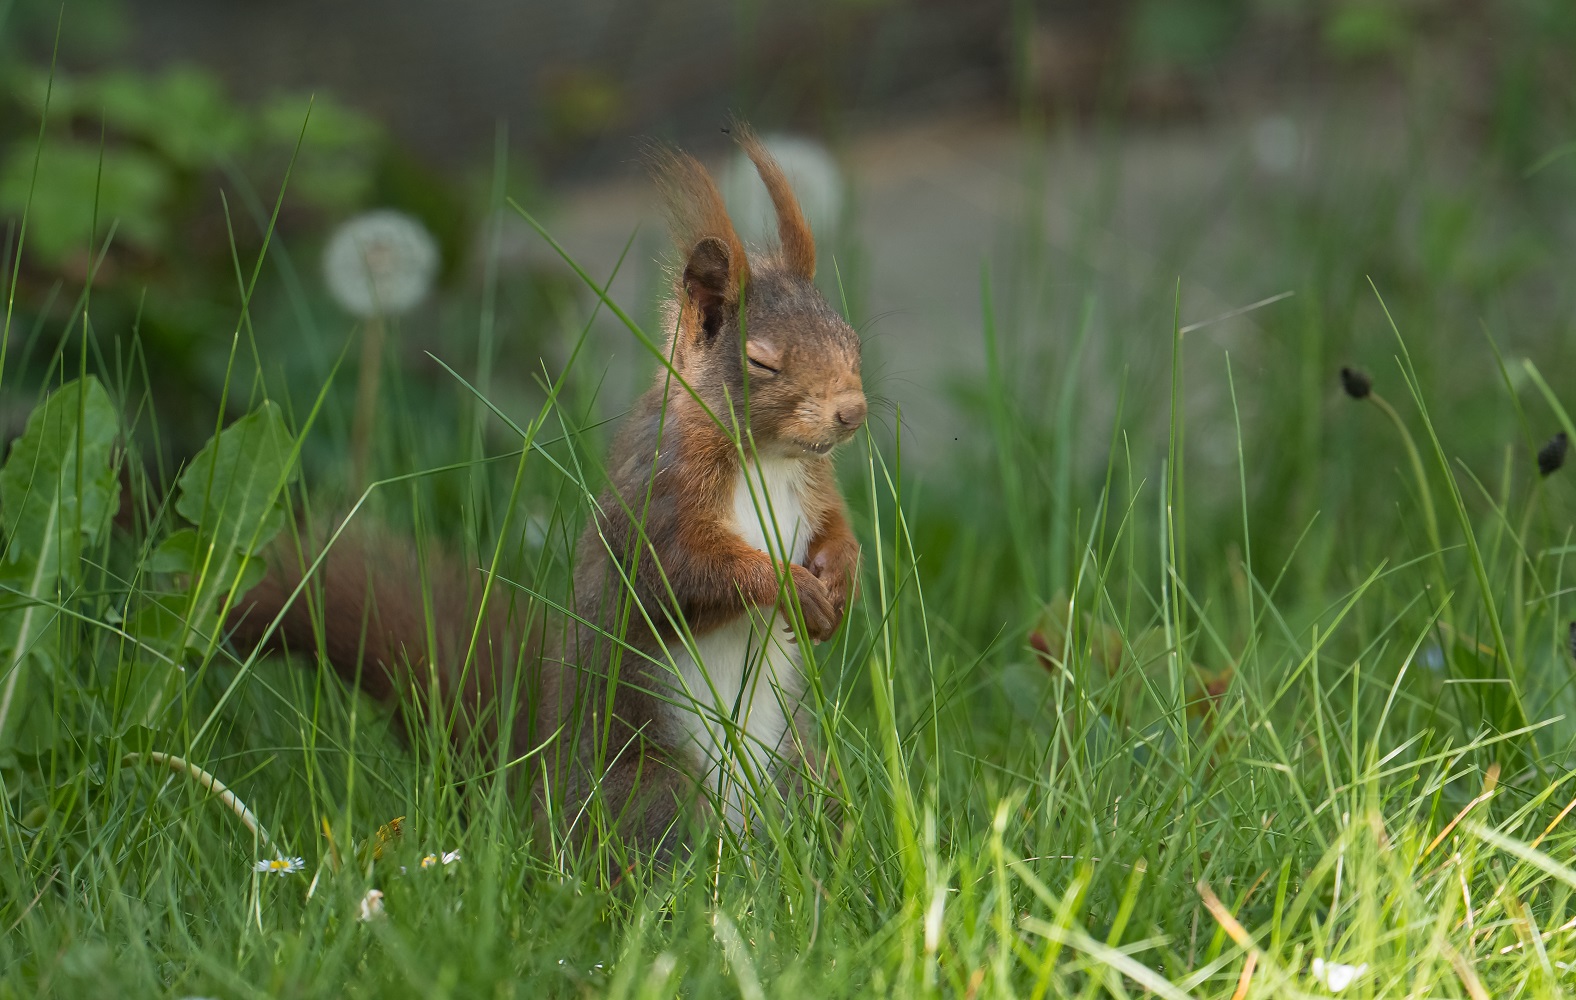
[(763, 357)]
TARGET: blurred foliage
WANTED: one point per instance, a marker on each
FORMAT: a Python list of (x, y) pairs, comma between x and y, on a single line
[(139, 153), (1508, 62), (92, 29), (1366, 28), (1189, 33), (160, 185), (183, 174), (60, 489)]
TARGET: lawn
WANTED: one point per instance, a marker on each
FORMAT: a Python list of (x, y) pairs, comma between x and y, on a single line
[(1210, 677)]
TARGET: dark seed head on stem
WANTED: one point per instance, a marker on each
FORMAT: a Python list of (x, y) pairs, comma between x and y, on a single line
[(1552, 455), (1356, 383)]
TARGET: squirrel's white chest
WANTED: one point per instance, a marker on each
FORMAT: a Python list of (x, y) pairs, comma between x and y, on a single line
[(768, 508), (743, 680)]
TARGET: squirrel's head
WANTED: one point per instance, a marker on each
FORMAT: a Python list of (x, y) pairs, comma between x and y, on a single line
[(752, 335)]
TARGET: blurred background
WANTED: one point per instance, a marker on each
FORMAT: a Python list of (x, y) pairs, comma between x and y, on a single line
[(1017, 200)]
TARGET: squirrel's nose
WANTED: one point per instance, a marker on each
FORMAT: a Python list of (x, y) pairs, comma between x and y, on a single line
[(851, 413)]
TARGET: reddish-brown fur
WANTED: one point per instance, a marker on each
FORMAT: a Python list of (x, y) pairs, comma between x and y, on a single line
[(793, 233), (791, 389)]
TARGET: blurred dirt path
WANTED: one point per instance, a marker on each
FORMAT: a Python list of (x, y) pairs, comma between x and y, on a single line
[(1074, 220)]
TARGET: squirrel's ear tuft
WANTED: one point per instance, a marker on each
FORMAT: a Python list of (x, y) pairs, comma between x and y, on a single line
[(793, 233), (697, 213), (708, 284)]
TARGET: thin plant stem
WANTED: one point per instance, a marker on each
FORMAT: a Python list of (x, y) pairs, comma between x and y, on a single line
[(1430, 517), (367, 383), (206, 780)]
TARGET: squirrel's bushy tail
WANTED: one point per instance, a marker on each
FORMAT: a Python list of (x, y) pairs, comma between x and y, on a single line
[(398, 622)]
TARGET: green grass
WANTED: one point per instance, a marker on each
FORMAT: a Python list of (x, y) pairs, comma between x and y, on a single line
[(1112, 719)]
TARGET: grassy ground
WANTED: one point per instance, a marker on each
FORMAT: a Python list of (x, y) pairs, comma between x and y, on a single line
[(1153, 698)]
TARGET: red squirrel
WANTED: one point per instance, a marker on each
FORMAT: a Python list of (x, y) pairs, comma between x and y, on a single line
[(680, 670)]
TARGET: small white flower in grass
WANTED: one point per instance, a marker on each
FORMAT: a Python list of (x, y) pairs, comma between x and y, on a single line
[(279, 866), (449, 857), (380, 263), (446, 858), (1335, 976), (371, 905), (938, 903)]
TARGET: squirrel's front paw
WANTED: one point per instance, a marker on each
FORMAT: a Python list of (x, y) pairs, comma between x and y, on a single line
[(837, 567), (821, 617)]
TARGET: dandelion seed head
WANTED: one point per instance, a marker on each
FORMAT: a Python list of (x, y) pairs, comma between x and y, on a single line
[(380, 263), (1277, 144)]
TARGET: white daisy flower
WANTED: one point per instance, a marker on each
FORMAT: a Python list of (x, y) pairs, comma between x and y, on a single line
[(371, 905), (446, 858), (1334, 976), (380, 263), (279, 866)]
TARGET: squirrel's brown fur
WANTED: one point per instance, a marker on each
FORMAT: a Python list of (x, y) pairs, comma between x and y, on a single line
[(764, 382)]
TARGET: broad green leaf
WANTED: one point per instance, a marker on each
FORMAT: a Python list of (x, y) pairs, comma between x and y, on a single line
[(183, 553), (145, 688), (78, 184), (176, 554), (149, 677), (166, 622), (32, 679), (232, 492), (160, 622), (52, 504), (183, 112), (58, 493), (232, 489)]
